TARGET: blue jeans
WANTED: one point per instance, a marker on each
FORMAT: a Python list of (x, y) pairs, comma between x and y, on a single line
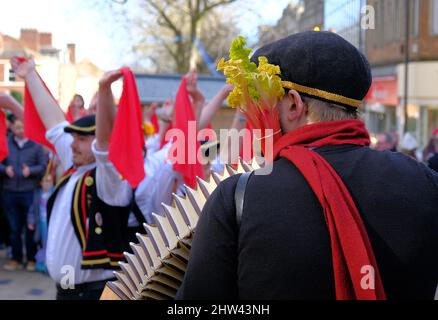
[(17, 206)]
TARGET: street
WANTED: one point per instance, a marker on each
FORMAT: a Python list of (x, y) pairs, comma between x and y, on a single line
[(24, 285)]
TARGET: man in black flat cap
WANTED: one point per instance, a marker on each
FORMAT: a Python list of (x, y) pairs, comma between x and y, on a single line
[(87, 212), (335, 219)]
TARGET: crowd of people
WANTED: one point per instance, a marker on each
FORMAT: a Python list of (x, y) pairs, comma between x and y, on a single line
[(71, 206), (409, 146), (33, 172)]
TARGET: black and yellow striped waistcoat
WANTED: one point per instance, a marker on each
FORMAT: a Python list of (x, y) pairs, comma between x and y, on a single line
[(101, 229)]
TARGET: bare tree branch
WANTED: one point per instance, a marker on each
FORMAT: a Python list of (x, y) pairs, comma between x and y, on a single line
[(170, 27), (162, 14)]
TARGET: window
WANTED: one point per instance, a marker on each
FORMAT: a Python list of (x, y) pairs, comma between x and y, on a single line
[(434, 16), (12, 77)]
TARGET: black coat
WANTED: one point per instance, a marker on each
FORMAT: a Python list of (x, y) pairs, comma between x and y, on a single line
[(282, 250)]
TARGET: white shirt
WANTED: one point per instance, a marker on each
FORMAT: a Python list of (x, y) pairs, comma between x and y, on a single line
[(157, 186), (217, 165), (153, 143), (63, 251), (20, 142)]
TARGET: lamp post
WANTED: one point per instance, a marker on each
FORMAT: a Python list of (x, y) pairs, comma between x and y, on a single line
[(406, 62)]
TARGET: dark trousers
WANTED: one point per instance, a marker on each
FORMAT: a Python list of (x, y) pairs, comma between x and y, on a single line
[(4, 225), (84, 291), (17, 206)]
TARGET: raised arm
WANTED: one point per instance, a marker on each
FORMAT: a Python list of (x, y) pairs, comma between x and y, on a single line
[(198, 99), (210, 110), (110, 187), (106, 111), (8, 102), (165, 117), (47, 108)]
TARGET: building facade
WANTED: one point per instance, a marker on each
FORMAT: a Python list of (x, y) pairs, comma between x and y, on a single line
[(298, 16), (62, 74), (344, 18), (395, 43), (30, 42)]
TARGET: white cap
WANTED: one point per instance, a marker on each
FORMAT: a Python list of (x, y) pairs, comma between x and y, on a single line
[(409, 142)]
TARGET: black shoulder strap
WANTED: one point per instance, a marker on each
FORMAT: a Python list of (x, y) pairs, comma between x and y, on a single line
[(239, 195)]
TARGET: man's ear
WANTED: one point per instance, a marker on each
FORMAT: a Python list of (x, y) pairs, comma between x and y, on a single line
[(297, 108)]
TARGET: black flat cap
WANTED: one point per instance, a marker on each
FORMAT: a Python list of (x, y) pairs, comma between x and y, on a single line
[(320, 65), (85, 126)]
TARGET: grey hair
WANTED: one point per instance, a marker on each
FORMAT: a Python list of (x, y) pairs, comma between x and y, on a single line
[(319, 110)]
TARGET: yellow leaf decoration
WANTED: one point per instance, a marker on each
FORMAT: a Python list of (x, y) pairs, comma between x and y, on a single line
[(260, 85)]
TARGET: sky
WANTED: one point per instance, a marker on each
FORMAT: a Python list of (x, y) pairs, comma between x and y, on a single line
[(101, 40)]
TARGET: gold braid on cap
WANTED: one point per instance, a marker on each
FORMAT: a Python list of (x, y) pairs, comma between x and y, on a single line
[(82, 129), (322, 94)]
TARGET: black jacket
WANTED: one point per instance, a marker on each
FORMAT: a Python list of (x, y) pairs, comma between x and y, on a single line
[(32, 154), (282, 250)]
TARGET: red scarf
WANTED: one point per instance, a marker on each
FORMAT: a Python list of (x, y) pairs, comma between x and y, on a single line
[(351, 247), (154, 120), (34, 128), (183, 114), (127, 138), (3, 137)]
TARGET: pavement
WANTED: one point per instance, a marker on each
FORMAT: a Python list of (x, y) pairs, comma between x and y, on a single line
[(24, 285)]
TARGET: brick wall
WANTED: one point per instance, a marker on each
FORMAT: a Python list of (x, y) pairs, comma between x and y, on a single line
[(389, 48)]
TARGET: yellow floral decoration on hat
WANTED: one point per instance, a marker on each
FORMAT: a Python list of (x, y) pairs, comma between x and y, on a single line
[(252, 83)]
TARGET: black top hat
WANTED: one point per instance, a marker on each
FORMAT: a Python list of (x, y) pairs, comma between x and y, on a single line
[(321, 65), (85, 126)]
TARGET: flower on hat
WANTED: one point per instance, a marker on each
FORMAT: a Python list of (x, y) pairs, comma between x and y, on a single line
[(251, 82), (257, 89)]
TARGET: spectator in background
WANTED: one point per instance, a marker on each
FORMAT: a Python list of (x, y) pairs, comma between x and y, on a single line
[(4, 229), (409, 145), (9, 120), (22, 170), (37, 219), (429, 151), (433, 160), (385, 141), (76, 109), (151, 133), (13, 111), (396, 140), (4, 225), (93, 104)]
